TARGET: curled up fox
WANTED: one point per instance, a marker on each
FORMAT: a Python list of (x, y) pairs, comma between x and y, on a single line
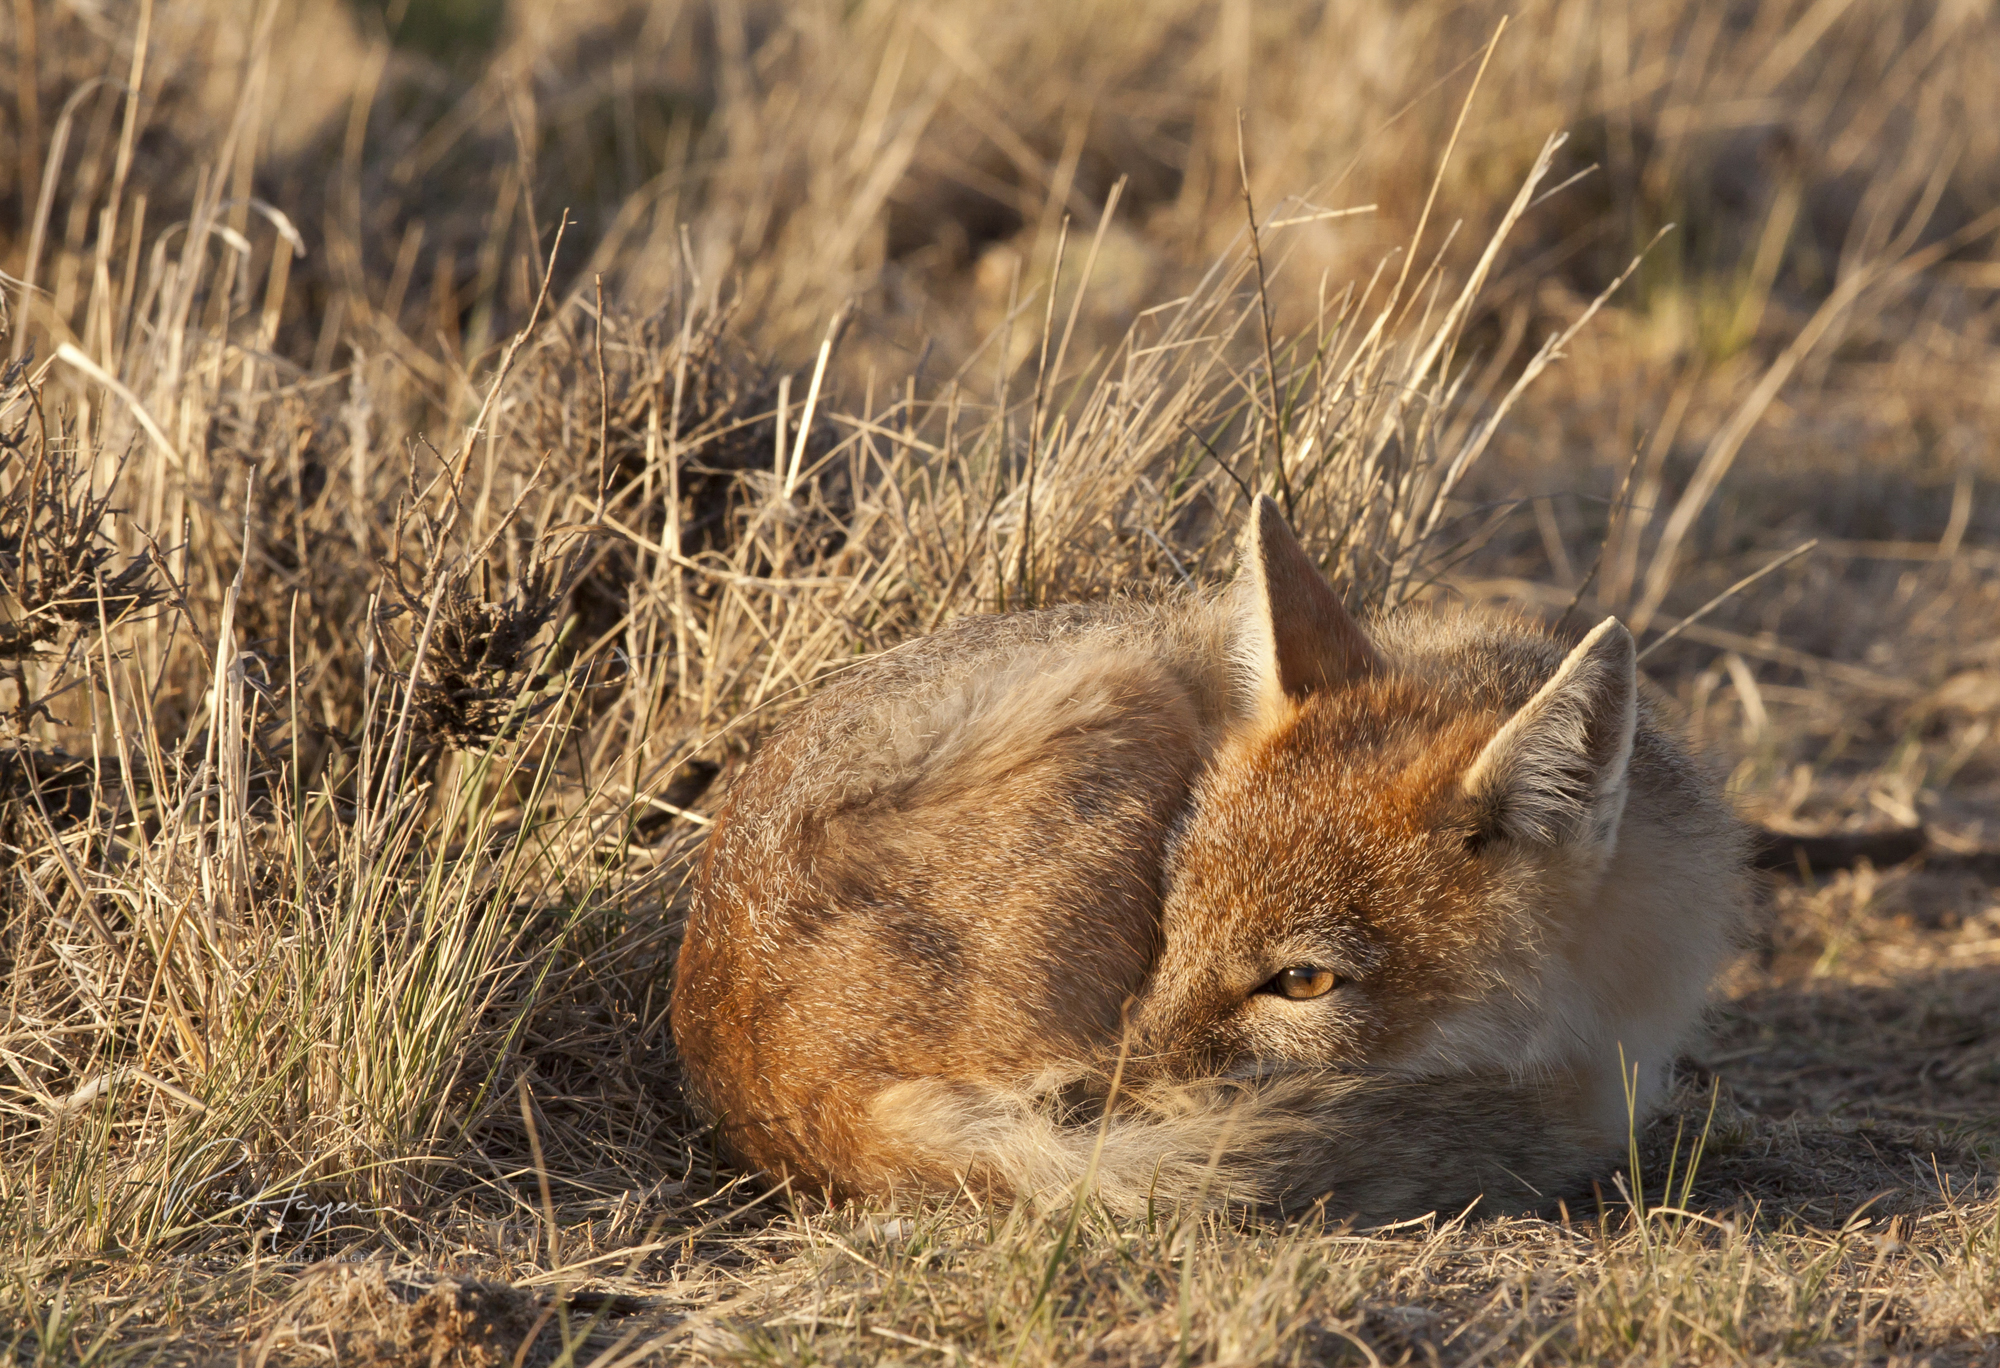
[(1222, 898)]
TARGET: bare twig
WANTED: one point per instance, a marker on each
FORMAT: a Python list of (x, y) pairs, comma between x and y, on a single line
[(1698, 614), (1264, 316)]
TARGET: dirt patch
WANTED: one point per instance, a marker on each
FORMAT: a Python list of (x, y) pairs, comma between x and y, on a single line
[(366, 1317)]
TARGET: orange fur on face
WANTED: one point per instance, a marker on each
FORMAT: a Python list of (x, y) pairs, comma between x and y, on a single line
[(1338, 837)]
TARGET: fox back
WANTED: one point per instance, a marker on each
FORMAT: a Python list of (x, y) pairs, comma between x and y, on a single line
[(1210, 898)]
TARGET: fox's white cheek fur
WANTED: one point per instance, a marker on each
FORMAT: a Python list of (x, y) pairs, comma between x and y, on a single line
[(1308, 1031)]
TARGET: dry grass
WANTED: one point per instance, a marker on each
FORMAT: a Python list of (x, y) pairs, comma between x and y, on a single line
[(422, 477)]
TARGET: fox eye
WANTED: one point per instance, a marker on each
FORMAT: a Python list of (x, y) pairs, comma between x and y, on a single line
[(1303, 981)]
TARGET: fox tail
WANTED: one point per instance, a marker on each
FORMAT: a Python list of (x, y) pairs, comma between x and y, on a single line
[(1371, 1146)]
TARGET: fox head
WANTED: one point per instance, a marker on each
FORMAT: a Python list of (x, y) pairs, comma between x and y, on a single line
[(1376, 854)]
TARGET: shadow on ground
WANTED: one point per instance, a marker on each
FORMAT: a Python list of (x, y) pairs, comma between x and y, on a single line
[(1831, 1095)]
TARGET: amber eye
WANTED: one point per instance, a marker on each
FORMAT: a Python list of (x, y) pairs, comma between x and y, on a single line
[(1303, 981)]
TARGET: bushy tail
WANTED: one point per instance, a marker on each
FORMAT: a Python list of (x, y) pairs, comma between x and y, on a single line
[(1375, 1147)]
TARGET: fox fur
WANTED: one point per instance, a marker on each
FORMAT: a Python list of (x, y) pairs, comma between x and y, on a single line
[(1017, 906)]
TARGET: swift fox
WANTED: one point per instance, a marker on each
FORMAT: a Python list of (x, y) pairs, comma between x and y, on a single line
[(1224, 898)]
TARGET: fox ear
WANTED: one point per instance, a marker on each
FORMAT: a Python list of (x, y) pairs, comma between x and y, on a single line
[(1291, 630), (1556, 773)]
